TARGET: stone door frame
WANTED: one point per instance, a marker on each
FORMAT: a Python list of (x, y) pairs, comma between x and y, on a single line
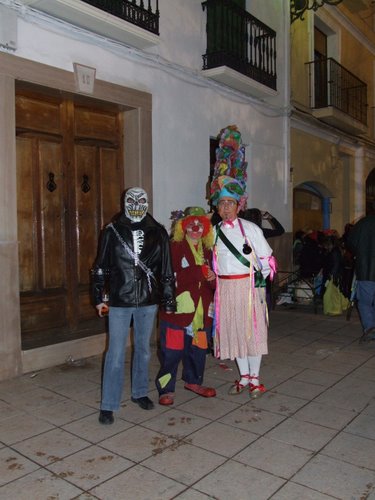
[(137, 107)]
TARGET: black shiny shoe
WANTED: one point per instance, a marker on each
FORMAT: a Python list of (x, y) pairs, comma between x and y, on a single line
[(144, 402), (106, 417)]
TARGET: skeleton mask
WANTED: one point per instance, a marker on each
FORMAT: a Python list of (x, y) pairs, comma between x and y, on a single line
[(136, 204)]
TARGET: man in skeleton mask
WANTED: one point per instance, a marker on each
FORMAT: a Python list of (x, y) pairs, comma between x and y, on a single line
[(134, 264)]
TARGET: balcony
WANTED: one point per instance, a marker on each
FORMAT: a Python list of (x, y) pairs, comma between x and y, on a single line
[(241, 50), (337, 97), (127, 21)]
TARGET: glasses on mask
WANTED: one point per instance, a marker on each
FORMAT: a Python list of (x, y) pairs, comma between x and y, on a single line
[(227, 203)]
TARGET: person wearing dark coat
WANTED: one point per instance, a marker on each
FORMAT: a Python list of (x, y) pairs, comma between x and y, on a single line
[(135, 262), (361, 241), (257, 216)]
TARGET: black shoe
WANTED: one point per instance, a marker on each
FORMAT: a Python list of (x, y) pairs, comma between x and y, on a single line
[(106, 417), (145, 403), (368, 335)]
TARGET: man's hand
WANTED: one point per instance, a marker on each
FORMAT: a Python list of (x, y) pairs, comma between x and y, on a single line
[(102, 309)]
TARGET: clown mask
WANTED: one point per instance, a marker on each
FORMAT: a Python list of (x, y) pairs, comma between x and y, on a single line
[(136, 204), (194, 228)]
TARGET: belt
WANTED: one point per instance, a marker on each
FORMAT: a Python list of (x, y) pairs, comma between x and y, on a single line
[(233, 276)]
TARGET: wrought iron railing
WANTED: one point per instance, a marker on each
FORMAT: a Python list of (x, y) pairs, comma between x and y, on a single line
[(134, 11), (240, 41), (330, 84)]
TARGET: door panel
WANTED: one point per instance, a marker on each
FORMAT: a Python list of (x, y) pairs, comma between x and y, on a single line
[(69, 184), (52, 224), (26, 222), (110, 191)]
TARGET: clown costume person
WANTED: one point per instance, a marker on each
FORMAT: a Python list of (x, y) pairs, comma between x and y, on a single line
[(184, 333), (242, 260)]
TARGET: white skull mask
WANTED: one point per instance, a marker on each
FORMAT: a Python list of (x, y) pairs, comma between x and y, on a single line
[(136, 204)]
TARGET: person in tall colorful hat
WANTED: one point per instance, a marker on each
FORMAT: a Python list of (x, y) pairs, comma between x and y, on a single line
[(185, 334), (242, 261)]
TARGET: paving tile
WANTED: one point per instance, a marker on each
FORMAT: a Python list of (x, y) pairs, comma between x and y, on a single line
[(13, 430), (33, 398), (137, 443), (86, 496), (51, 446), (319, 350), (318, 377), (89, 467), (349, 394), (336, 478), (363, 425), (274, 374), (275, 457), (192, 494), (299, 389), (62, 413), (325, 415), (131, 412), (223, 439), (91, 430), (236, 480), (176, 423), (211, 408), (74, 390), (17, 385), (9, 411), (13, 466), (296, 359), (40, 484), (353, 449), (91, 398), (184, 463), (370, 408), (303, 434), (364, 372), (279, 403), (252, 419), (139, 483), (292, 491), (332, 365)]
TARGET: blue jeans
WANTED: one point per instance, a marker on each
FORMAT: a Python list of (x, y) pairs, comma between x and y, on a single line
[(113, 376), (365, 292)]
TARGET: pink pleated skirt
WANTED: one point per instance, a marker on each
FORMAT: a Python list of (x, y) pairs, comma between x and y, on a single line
[(239, 331)]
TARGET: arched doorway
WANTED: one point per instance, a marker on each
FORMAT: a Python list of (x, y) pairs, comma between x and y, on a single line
[(311, 206), (370, 192)]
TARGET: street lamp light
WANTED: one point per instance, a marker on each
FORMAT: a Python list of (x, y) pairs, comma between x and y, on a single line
[(299, 7)]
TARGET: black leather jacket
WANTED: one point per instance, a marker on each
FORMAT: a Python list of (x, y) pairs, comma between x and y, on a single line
[(149, 282)]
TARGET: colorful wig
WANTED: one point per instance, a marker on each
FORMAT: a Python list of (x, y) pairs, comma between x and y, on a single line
[(192, 214)]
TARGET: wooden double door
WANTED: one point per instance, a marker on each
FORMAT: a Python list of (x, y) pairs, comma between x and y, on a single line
[(70, 176)]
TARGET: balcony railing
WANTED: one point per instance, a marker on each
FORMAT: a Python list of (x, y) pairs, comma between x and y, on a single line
[(134, 11), (333, 85), (240, 41)]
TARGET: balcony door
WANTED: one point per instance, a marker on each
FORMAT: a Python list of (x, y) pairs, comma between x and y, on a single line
[(226, 28), (69, 183), (321, 69)]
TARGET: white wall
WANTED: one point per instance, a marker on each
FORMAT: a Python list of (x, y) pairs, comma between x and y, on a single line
[(187, 109)]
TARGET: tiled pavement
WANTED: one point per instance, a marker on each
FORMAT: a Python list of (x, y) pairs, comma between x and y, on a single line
[(310, 437)]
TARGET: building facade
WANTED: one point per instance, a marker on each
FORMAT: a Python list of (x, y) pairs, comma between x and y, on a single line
[(332, 121), (97, 96)]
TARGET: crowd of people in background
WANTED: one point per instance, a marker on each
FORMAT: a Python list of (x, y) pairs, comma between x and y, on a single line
[(322, 256)]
